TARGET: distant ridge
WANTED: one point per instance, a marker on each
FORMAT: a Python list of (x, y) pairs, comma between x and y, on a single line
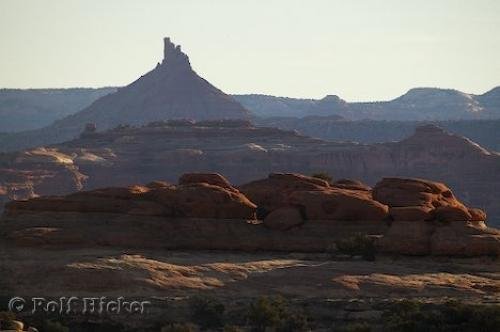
[(418, 104), (173, 90), (36, 108), (27, 109)]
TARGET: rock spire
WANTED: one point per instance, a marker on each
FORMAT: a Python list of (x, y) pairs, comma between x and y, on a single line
[(173, 55)]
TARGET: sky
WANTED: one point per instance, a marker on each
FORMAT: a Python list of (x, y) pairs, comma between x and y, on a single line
[(360, 50)]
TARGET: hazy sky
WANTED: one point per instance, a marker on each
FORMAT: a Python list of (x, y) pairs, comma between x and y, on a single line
[(359, 50)]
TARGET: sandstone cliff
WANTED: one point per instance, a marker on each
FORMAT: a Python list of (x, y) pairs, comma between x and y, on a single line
[(331, 128), (166, 150), (204, 211)]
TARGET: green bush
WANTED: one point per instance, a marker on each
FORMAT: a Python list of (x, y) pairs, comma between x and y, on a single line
[(6, 319), (7, 316), (232, 328), (12, 325), (414, 316), (97, 327), (293, 322), (273, 313), (323, 176), (51, 326), (179, 327), (357, 245), (265, 312), (354, 327), (207, 312)]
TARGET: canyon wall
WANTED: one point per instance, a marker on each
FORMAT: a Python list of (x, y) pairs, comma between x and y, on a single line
[(166, 150)]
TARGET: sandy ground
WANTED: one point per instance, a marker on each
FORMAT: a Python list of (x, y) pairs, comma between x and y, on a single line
[(114, 272)]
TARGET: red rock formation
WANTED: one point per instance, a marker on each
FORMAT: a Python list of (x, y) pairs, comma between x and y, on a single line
[(284, 218), (409, 192), (203, 200), (208, 178), (164, 151), (436, 238), (272, 193), (338, 204), (205, 212), (428, 219), (464, 240), (351, 184), (411, 213), (419, 200), (158, 184), (38, 172), (192, 200), (477, 214), (315, 197)]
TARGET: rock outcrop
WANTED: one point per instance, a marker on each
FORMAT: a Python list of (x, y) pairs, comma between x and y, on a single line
[(417, 199), (428, 219), (315, 197), (166, 150), (187, 200), (206, 212), (284, 218), (351, 184), (214, 179), (339, 204), (38, 172), (455, 238), (274, 192)]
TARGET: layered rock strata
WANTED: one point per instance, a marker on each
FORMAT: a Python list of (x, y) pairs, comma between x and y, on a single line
[(300, 213), (242, 152)]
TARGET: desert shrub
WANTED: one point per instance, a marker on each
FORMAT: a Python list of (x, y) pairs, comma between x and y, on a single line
[(154, 124), (292, 322), (452, 316), (96, 327), (207, 312), (51, 326), (7, 316), (225, 123), (354, 327), (274, 314), (232, 328), (122, 127), (11, 325), (323, 176), (179, 327), (357, 245), (181, 123), (265, 312), (409, 316)]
